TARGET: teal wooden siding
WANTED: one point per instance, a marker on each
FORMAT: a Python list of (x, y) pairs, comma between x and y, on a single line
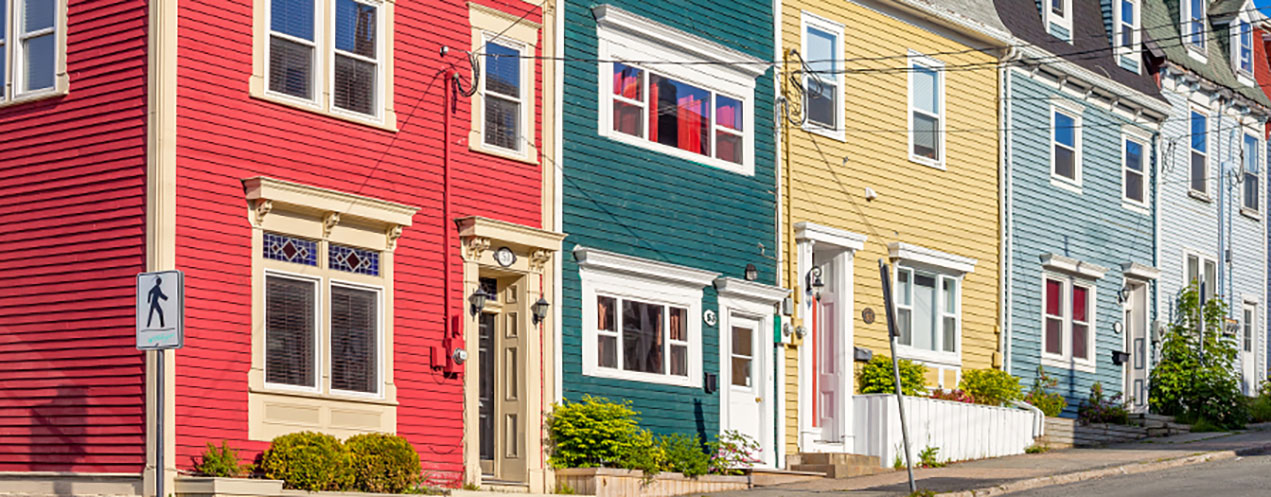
[(636, 201), (1091, 226)]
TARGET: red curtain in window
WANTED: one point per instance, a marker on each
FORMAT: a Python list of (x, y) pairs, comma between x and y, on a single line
[(690, 124), (627, 84), (653, 109)]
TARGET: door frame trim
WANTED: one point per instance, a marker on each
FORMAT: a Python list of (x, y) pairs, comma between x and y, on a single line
[(844, 256), (739, 299)]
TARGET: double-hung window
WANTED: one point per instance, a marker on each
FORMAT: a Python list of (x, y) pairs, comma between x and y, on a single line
[(503, 110), (698, 112), (330, 56), (32, 48), (1199, 170), (1068, 310), (1194, 23), (1127, 25), (1057, 16), (823, 83), (928, 310), (1065, 145), (926, 110), (1125, 33), (1242, 47), (1252, 173), (503, 95), (1134, 174), (1203, 272)]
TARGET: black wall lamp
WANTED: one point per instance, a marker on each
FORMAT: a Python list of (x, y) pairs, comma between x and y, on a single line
[(1119, 358), (539, 310), (815, 282), (476, 301), (752, 272)]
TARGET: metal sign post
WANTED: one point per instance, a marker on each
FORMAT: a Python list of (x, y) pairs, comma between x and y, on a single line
[(160, 326), (892, 334)]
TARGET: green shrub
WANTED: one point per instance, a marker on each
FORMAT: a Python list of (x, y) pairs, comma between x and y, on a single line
[(877, 377), (1036, 449), (221, 462), (1197, 376), (684, 454), (731, 452), (595, 432), (1260, 408), (383, 463), (1203, 425), (308, 461), (927, 458), (1097, 409), (1050, 403), (991, 386)]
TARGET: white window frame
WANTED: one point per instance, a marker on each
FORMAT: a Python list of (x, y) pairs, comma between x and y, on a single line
[(939, 356), (917, 59), (1199, 194), (1250, 307), (526, 74), (810, 20), (12, 78), (1201, 261), (318, 325), (1142, 140), (323, 81), (1067, 360), (1258, 148), (1198, 52), (1245, 76), (1064, 21), (624, 36), (493, 25), (378, 290), (625, 277), (1136, 37), (1069, 109)]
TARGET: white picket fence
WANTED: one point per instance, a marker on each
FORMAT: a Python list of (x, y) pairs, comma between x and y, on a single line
[(961, 431)]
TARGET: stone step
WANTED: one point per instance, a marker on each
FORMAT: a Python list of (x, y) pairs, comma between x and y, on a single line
[(766, 477), (841, 470), (831, 458)]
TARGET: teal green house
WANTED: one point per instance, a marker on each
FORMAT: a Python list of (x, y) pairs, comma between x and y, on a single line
[(668, 197)]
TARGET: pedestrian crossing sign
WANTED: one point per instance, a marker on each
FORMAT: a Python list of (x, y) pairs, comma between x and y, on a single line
[(160, 310)]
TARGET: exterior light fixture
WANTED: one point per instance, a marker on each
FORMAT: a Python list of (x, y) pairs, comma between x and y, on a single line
[(815, 283), (752, 273), (539, 310), (1119, 358), (477, 300)]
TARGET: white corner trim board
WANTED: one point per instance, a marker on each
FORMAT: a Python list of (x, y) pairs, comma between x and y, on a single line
[(589, 258), (1139, 271), (1072, 266), (931, 257), (749, 290), (610, 17), (825, 234)]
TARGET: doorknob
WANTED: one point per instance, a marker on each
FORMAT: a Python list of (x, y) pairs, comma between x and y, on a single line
[(758, 399)]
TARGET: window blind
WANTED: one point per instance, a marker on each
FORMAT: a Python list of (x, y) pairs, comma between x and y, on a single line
[(291, 47), (353, 340), (39, 47), (289, 331), (355, 56)]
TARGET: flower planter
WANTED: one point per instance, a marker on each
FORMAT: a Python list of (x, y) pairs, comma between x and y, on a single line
[(202, 486), (609, 482)]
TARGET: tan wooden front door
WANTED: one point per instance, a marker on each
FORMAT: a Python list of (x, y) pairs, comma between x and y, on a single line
[(502, 382)]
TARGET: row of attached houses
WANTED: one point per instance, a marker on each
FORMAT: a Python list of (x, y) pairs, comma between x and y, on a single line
[(438, 219)]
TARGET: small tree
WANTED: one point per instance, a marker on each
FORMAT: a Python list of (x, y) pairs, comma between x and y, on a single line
[(1196, 376)]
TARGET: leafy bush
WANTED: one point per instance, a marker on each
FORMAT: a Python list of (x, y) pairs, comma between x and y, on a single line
[(991, 386), (1051, 404), (1203, 425), (1097, 409), (954, 395), (383, 463), (1197, 376), (221, 462), (1036, 449), (684, 454), (877, 377), (1260, 408), (731, 452), (308, 461), (596, 432), (927, 458)]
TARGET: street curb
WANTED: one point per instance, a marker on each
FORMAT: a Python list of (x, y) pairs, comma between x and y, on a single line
[(1124, 469)]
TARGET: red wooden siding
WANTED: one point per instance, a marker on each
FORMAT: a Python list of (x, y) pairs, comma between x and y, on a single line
[(72, 193), (224, 136)]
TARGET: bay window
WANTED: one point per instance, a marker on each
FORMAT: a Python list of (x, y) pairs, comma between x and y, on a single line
[(32, 49)]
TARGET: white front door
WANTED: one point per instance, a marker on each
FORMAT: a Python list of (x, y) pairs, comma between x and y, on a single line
[(1248, 348), (828, 351), (1136, 344), (747, 396)]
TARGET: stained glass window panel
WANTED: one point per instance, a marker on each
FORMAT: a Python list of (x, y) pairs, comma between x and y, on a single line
[(354, 260), (291, 249)]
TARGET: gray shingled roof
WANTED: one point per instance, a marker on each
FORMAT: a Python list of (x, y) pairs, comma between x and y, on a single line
[(1164, 32), (980, 12)]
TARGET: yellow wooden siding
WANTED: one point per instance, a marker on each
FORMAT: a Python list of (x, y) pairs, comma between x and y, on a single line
[(954, 210)]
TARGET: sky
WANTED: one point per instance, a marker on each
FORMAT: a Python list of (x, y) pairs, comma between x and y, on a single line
[(1265, 5)]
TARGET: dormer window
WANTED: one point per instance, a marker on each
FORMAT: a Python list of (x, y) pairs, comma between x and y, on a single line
[(1194, 27), (1242, 49), (1058, 19), (1125, 33)]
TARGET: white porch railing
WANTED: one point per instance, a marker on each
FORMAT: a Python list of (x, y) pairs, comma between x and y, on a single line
[(961, 431)]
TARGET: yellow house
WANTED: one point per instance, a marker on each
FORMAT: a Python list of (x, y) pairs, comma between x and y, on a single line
[(889, 150)]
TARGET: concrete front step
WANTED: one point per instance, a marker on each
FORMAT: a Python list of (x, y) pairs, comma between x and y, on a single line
[(767, 477), (836, 464)]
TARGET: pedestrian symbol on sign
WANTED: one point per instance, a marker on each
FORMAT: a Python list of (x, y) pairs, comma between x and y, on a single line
[(160, 310), (156, 294)]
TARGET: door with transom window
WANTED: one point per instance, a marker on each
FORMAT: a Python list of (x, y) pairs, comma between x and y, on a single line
[(501, 382)]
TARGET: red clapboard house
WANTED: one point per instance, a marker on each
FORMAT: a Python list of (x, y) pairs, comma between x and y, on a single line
[(334, 188)]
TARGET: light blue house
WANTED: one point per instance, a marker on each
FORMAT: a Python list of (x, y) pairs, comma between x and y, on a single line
[(1212, 186), (1079, 237)]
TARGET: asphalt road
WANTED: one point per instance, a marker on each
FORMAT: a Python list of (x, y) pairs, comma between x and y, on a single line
[(1245, 476)]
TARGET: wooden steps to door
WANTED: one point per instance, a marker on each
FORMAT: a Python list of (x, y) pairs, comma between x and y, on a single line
[(836, 464)]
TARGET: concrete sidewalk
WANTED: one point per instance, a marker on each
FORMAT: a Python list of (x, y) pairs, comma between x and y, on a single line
[(1004, 474)]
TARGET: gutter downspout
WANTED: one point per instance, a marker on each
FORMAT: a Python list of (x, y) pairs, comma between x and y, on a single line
[(1003, 205)]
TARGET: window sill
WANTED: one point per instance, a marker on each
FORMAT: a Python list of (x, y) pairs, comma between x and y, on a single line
[(816, 129), (476, 144), (1196, 52), (61, 89), (746, 169), (1071, 364), (1201, 196), (660, 379), (1066, 184), (931, 357), (1251, 213), (353, 399), (1135, 207), (389, 123), (934, 164)]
